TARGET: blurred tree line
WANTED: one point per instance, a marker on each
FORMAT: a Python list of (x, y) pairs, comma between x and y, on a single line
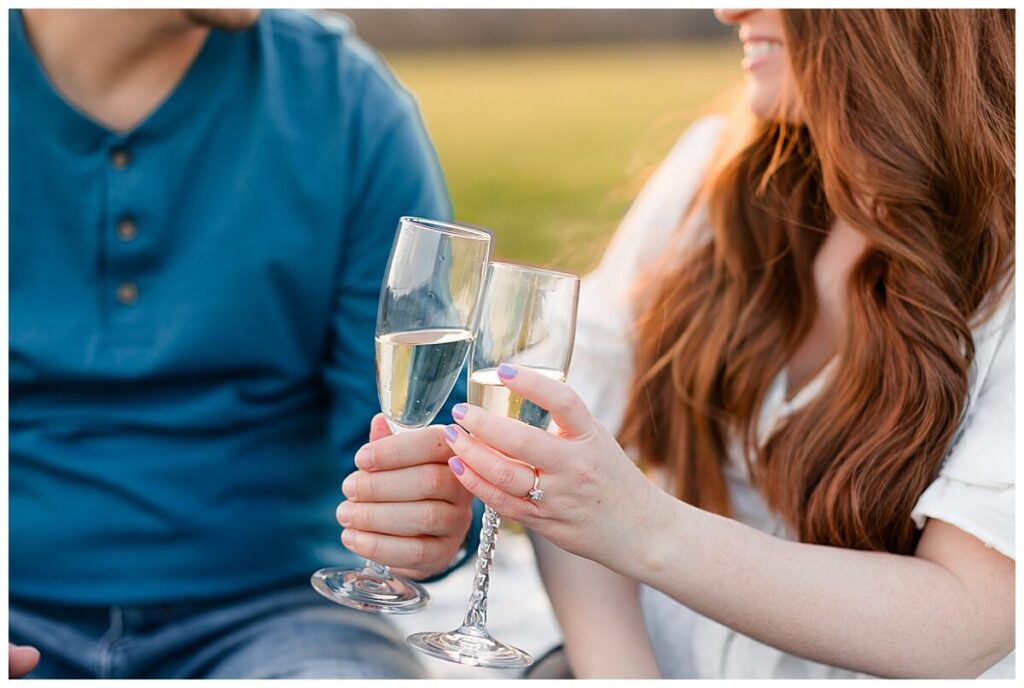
[(427, 28)]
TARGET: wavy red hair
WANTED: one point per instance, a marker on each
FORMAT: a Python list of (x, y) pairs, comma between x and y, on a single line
[(906, 132)]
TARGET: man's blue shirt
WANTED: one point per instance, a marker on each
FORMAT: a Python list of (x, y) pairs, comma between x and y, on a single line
[(192, 310)]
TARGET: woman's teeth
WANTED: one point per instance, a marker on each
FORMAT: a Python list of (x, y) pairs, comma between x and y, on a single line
[(753, 49)]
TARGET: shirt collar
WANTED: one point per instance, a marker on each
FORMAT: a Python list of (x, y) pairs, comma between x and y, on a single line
[(78, 131)]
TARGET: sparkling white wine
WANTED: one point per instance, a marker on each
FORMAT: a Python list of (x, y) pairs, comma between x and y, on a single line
[(487, 391), (416, 371)]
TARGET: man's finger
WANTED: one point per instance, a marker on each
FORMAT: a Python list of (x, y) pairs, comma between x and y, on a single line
[(415, 574), (419, 553), (21, 660), (379, 427), (412, 484), (411, 448), (404, 518)]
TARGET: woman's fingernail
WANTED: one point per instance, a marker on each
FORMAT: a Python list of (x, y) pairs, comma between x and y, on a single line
[(507, 371), (344, 513), (451, 433), (348, 538), (456, 465), (364, 457), (459, 411)]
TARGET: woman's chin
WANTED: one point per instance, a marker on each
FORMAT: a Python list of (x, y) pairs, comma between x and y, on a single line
[(762, 100), (764, 104)]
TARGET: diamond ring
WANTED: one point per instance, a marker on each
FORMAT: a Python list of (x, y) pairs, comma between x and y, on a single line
[(536, 494)]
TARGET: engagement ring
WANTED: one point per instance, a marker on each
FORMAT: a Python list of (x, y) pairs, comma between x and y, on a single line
[(536, 494)]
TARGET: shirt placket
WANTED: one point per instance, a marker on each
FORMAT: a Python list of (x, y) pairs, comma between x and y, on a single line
[(123, 282)]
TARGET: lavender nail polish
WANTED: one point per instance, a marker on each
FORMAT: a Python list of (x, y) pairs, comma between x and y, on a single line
[(451, 433), (507, 371), (456, 465), (459, 411)]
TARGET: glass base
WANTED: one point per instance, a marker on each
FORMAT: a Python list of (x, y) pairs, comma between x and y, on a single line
[(470, 646), (368, 592)]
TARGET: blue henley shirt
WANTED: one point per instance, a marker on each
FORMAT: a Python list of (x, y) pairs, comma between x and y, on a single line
[(192, 310)]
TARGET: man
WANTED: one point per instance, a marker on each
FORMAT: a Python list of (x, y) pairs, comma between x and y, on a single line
[(202, 205)]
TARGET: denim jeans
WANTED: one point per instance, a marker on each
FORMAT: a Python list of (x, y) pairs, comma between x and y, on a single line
[(288, 632)]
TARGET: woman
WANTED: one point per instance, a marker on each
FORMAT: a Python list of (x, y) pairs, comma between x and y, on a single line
[(803, 330)]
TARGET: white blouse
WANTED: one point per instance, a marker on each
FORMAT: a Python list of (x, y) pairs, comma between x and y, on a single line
[(974, 489)]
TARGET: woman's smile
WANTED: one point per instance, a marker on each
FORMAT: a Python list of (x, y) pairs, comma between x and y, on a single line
[(758, 51)]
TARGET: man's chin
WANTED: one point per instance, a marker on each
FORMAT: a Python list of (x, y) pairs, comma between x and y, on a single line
[(223, 19)]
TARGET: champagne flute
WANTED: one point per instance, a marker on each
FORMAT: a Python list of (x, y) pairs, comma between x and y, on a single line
[(425, 319), (529, 319)]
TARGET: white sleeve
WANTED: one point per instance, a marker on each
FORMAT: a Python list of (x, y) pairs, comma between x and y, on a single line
[(601, 369), (975, 489)]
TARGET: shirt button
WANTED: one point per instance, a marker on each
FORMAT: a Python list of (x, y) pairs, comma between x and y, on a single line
[(127, 229), (119, 158), (127, 293)]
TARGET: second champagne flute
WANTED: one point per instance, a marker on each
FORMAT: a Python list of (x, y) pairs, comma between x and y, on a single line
[(425, 320), (529, 319)]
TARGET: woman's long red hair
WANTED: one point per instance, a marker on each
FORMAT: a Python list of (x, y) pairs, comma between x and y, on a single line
[(906, 132)]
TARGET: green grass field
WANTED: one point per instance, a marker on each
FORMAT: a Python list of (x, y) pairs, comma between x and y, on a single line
[(548, 146)]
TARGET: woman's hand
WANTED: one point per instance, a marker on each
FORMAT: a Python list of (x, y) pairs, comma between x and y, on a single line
[(593, 493)]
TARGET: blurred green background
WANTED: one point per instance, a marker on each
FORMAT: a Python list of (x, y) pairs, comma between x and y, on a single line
[(547, 146), (548, 123)]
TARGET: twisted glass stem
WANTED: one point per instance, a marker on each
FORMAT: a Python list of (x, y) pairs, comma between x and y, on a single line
[(476, 612)]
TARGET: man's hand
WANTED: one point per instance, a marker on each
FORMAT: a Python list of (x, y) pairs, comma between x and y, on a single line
[(405, 509), (21, 660)]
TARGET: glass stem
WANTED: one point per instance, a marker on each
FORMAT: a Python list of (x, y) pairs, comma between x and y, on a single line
[(372, 568), (476, 612), (375, 570)]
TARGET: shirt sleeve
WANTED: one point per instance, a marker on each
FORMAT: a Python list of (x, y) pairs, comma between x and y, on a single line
[(975, 489), (396, 173), (602, 364)]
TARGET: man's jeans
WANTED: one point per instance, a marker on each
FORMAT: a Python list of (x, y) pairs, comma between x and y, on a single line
[(288, 632)]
